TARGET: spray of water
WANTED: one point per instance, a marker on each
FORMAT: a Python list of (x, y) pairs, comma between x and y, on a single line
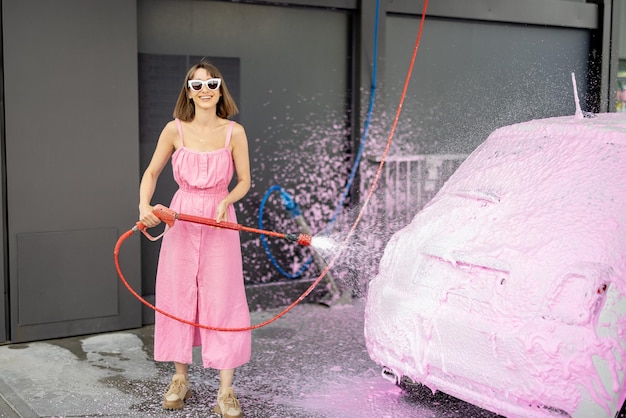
[(361, 254), (324, 244)]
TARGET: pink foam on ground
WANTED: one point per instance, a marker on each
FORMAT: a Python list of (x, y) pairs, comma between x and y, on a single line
[(508, 289)]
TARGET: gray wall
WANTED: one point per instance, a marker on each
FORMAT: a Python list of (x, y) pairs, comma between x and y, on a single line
[(71, 126), (72, 164), (472, 77)]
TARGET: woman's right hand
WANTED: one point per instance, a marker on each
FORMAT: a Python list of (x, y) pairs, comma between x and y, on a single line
[(147, 217)]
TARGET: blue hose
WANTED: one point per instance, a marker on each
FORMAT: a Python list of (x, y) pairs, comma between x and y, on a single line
[(294, 210), (290, 203)]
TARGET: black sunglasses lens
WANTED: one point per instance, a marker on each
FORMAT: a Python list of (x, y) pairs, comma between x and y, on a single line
[(213, 84), (196, 85)]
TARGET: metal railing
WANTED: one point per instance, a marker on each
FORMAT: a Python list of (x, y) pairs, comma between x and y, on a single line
[(406, 185)]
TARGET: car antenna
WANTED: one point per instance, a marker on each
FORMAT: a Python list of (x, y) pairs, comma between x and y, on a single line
[(579, 112)]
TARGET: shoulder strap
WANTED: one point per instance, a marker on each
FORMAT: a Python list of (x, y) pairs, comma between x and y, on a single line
[(229, 133), (180, 132)]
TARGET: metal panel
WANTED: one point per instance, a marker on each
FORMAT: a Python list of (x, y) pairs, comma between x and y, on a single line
[(66, 276), (472, 77), (332, 4), (72, 160), (4, 278), (610, 44), (533, 12)]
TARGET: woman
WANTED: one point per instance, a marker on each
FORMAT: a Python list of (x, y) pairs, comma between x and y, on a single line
[(200, 274)]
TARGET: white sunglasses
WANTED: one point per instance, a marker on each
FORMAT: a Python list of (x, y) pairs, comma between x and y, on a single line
[(211, 84)]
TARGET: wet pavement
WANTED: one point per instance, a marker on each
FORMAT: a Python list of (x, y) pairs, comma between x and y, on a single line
[(311, 363)]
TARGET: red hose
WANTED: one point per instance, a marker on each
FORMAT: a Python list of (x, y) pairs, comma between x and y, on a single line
[(343, 243), (116, 252)]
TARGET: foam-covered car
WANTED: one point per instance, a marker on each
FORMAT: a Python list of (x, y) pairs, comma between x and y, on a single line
[(508, 289)]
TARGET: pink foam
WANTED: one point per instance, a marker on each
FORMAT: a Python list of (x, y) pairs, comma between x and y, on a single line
[(508, 289)]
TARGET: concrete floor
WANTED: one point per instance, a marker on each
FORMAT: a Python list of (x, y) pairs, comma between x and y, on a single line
[(311, 363)]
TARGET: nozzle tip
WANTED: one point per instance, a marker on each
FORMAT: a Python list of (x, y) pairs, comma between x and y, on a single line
[(302, 239), (305, 240)]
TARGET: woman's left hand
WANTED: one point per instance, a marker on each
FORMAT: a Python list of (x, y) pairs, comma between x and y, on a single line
[(221, 214)]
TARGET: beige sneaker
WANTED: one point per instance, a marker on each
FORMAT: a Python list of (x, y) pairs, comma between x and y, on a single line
[(228, 404), (177, 392)]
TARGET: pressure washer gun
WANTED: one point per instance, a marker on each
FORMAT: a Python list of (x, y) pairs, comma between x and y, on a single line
[(170, 217)]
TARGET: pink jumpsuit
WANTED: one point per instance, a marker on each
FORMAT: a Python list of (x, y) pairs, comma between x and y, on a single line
[(200, 273)]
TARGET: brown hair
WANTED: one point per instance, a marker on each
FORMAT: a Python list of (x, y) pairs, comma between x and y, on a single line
[(185, 109)]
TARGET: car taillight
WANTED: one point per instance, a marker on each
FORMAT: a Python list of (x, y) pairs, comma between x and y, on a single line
[(578, 298)]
